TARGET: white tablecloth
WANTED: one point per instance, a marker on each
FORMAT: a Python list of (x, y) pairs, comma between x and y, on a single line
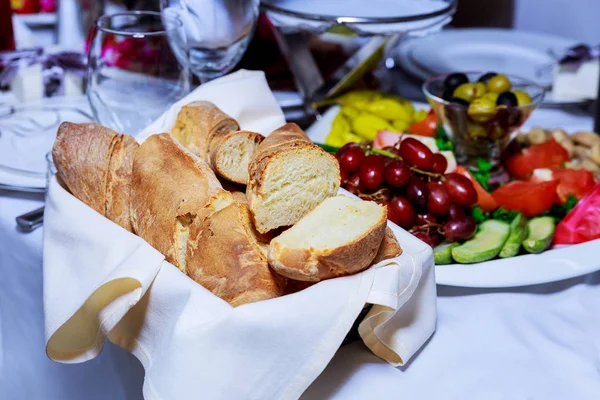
[(540, 342)]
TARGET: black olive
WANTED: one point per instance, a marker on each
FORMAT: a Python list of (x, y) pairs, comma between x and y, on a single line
[(507, 99), (453, 81), (486, 77), (447, 95), (459, 101)]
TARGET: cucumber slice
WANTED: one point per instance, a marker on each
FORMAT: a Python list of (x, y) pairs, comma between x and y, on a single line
[(518, 233), (486, 244), (540, 232), (442, 254)]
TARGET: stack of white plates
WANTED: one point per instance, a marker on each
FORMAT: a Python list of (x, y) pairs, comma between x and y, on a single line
[(27, 132), (525, 54)]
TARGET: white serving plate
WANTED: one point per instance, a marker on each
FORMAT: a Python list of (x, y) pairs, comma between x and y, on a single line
[(27, 136), (520, 53), (552, 265)]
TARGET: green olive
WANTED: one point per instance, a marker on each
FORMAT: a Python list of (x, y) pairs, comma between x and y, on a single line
[(482, 109), (491, 96), (466, 92), (476, 131), (478, 89), (522, 97), (499, 84)]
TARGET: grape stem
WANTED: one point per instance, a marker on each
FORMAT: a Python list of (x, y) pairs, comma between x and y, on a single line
[(396, 157), (427, 227)]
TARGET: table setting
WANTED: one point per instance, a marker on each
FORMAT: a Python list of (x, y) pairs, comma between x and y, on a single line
[(184, 215)]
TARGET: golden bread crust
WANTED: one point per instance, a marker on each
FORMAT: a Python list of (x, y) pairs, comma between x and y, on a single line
[(118, 187), (81, 153), (312, 265), (168, 184), (223, 259), (198, 123), (390, 248)]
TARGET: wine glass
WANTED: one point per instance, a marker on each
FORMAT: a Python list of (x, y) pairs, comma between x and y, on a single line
[(218, 32), (133, 70)]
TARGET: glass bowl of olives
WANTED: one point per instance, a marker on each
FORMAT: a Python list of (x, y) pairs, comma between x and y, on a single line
[(482, 112)]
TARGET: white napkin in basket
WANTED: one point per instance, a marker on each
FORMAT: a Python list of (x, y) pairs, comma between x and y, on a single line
[(101, 281)]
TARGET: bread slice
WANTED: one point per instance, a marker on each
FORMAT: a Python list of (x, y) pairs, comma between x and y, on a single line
[(198, 123), (339, 237), (389, 248), (288, 177), (231, 155), (170, 188), (81, 153), (118, 187), (222, 257)]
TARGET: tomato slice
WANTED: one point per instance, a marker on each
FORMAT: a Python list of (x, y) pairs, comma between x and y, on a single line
[(529, 197), (549, 154), (582, 223), (485, 200), (571, 181), (427, 127)]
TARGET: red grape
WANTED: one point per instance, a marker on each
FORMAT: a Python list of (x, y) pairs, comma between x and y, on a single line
[(417, 192), (347, 146), (438, 201), (427, 218), (401, 212), (397, 174), (372, 172), (425, 237), (343, 176), (353, 184), (440, 163), (351, 159), (460, 229), (435, 238), (455, 212), (461, 190), (416, 153)]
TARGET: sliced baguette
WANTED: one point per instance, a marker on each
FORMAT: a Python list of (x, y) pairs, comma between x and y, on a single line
[(171, 188), (231, 155), (118, 187), (198, 123), (81, 153), (389, 248), (222, 257), (288, 177), (339, 237)]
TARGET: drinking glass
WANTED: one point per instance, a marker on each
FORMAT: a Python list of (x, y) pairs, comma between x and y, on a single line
[(133, 71), (218, 32)]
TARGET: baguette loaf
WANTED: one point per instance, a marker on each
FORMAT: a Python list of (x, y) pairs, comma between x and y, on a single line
[(339, 237), (118, 188), (231, 153), (223, 258), (198, 124), (389, 248), (170, 188), (81, 153), (288, 177)]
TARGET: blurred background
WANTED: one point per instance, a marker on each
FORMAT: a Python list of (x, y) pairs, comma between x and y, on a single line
[(38, 21)]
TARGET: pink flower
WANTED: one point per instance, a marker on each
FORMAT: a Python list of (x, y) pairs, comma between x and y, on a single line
[(48, 5)]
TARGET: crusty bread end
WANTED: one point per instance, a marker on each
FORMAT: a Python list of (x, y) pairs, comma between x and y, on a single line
[(339, 237), (288, 177), (232, 153), (390, 248)]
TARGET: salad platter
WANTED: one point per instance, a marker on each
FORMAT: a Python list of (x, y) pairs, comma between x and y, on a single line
[(533, 221)]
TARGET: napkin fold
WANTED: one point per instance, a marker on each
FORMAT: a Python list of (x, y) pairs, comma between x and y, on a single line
[(102, 282)]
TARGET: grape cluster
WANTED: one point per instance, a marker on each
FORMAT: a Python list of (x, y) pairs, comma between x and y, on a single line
[(409, 179)]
